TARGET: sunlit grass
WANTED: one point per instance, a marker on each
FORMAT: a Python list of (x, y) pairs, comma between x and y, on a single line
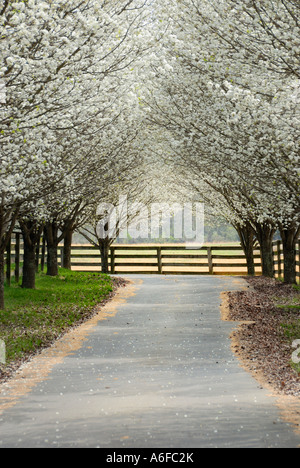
[(35, 318)]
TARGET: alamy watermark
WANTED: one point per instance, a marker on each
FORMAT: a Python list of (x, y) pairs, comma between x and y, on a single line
[(2, 352), (296, 354), (163, 221)]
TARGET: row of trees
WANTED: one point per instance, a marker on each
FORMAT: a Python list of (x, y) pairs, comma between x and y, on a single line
[(229, 109), (70, 117), (99, 99)]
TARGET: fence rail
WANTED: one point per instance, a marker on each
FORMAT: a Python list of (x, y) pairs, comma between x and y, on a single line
[(278, 259), (155, 259), (166, 259)]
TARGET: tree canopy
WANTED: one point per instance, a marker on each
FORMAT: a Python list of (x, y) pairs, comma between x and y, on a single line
[(95, 96)]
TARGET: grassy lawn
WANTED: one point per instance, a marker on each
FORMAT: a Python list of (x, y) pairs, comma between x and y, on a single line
[(33, 319)]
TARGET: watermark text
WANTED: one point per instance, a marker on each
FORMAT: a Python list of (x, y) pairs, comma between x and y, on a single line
[(2, 352), (155, 221), (296, 354)]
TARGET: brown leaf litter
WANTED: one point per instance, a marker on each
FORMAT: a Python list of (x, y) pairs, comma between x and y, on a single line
[(260, 343)]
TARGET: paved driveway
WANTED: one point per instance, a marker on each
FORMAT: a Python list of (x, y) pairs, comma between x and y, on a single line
[(155, 371)]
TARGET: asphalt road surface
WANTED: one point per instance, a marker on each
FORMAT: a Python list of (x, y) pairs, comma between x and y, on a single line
[(155, 371)]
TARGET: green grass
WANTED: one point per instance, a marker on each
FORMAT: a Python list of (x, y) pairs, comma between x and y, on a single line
[(35, 318)]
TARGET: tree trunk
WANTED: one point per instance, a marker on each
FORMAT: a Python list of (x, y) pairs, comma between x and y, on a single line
[(289, 238), (7, 224), (67, 228), (31, 231), (29, 267), (104, 245), (52, 261), (2, 279), (51, 231), (68, 249), (265, 235), (267, 256), (246, 235)]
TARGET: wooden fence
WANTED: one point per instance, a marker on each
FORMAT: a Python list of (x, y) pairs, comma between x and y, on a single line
[(164, 259), (154, 259), (278, 259)]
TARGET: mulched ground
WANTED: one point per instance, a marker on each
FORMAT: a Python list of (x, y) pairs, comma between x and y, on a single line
[(263, 346)]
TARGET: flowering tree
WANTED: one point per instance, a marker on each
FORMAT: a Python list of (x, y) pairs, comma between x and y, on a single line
[(60, 64), (230, 106), (261, 42), (220, 80)]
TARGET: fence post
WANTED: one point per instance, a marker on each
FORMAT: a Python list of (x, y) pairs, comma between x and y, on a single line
[(159, 260), (273, 260), (112, 260), (210, 260), (8, 263), (17, 258), (299, 257), (279, 258)]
